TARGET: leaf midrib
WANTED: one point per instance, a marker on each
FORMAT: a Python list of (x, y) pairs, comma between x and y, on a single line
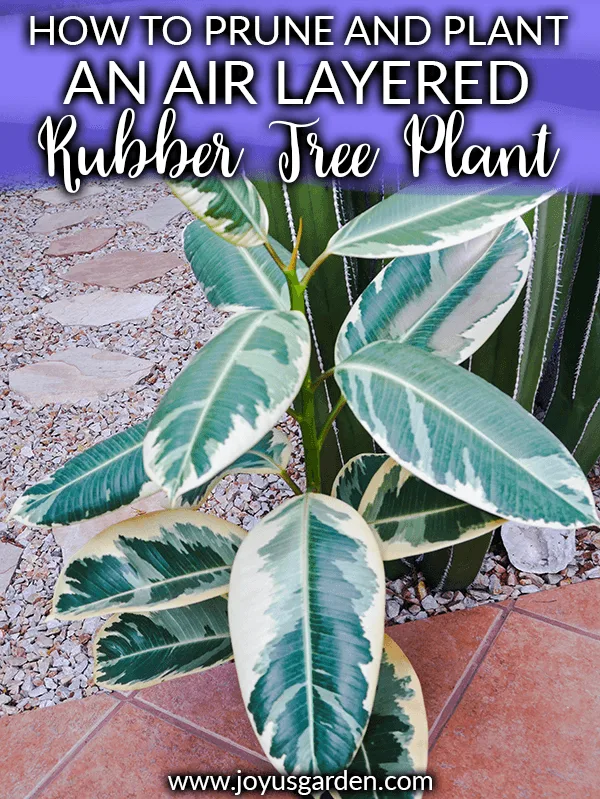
[(418, 390), (418, 515), (141, 653), (420, 321), (85, 475), (306, 632), (453, 287), (406, 221), (224, 373), (248, 213), (98, 604), (262, 278)]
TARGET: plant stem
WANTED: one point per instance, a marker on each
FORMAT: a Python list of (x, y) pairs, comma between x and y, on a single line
[(323, 376), (275, 257), (313, 268), (294, 414), (296, 249), (329, 422), (307, 418), (291, 483)]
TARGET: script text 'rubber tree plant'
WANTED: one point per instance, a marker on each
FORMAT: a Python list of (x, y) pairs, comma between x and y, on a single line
[(299, 600)]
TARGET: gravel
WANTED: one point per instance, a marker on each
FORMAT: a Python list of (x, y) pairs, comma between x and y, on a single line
[(44, 661), (409, 597)]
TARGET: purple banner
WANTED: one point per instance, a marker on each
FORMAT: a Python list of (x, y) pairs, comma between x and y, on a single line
[(560, 109)]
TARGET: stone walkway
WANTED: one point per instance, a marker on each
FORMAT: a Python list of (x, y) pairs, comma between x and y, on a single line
[(511, 692)]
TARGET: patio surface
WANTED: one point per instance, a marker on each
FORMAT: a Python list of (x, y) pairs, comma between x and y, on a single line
[(511, 693)]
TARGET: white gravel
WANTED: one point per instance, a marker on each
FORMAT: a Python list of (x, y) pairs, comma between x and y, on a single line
[(42, 661)]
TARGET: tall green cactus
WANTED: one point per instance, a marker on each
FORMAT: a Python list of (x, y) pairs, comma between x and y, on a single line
[(571, 407), (544, 354)]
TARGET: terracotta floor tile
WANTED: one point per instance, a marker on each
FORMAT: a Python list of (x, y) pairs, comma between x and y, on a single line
[(577, 605), (527, 727), (440, 649), (132, 755), (211, 700), (32, 743)]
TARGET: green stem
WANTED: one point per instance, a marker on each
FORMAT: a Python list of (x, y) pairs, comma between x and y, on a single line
[(275, 257), (307, 420), (294, 414), (329, 422), (324, 376), (291, 483), (313, 268)]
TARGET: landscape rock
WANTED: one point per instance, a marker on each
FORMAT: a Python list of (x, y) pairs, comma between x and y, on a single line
[(593, 574), (50, 223), (9, 558), (123, 270), (429, 603), (79, 373), (538, 549), (82, 242), (74, 536), (102, 307), (60, 196), (156, 217)]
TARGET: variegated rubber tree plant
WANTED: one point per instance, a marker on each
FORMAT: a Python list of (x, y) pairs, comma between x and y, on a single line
[(304, 613)]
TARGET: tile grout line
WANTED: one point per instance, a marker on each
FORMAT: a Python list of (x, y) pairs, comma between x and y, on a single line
[(225, 744), (468, 674), (232, 747), (73, 751), (555, 623)]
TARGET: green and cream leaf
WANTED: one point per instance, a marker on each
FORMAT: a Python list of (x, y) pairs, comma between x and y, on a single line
[(230, 395), (232, 208), (448, 301), (411, 517), (158, 560), (137, 650), (105, 477), (396, 740), (237, 278), (321, 580), (464, 436), (354, 477), (409, 223)]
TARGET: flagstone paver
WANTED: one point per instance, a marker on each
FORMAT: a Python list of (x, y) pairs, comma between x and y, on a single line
[(50, 223), (156, 217), (60, 196), (212, 703), (520, 716), (102, 307), (9, 558), (122, 270), (82, 242), (74, 536), (443, 639), (79, 373)]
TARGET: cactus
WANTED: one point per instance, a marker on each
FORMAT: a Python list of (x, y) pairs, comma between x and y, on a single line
[(544, 354)]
